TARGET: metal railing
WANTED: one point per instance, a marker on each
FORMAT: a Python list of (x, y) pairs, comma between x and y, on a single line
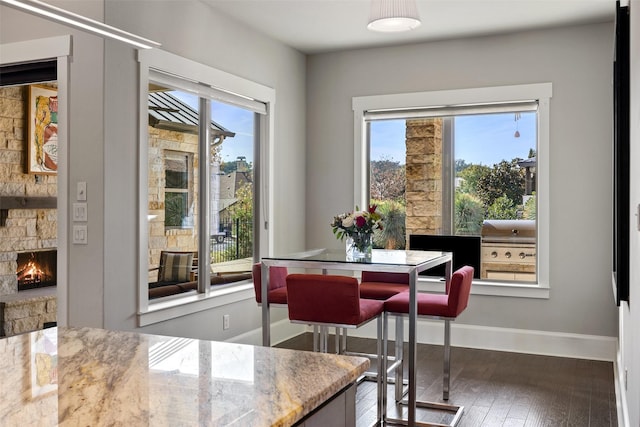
[(233, 241)]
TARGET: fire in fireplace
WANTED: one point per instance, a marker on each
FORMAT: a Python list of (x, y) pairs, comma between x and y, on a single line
[(36, 269)]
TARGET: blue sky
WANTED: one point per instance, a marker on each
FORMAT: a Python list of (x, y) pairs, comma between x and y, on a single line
[(232, 118), (480, 139), (239, 121)]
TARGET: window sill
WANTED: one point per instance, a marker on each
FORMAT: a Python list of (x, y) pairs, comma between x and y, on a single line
[(179, 230), (185, 304), (502, 289)]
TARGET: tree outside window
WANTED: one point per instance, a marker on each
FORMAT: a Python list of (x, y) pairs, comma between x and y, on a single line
[(455, 172)]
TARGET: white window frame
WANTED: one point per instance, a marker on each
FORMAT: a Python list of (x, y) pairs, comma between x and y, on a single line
[(201, 74), (458, 97), (190, 180)]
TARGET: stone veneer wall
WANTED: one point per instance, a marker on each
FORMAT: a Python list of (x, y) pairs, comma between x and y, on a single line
[(424, 176), (185, 239), (26, 229), (25, 315)]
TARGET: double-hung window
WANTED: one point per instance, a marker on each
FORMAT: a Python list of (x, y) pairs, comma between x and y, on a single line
[(464, 171), (203, 184)]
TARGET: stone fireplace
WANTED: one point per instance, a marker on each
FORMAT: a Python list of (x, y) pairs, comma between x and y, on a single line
[(28, 267), (28, 223), (36, 269)]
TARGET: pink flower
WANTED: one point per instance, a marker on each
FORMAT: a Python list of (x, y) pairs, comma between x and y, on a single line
[(347, 221)]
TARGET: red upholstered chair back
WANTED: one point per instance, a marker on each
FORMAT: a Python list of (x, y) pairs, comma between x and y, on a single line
[(277, 279), (459, 289), (323, 299), (382, 277)]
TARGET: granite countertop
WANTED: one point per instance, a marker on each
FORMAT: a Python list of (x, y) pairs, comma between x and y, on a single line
[(94, 377)]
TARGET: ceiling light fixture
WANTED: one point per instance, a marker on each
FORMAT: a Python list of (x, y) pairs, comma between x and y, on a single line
[(391, 16), (63, 16)]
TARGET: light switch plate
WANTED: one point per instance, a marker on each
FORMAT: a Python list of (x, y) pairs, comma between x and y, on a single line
[(79, 234), (81, 191), (80, 211)]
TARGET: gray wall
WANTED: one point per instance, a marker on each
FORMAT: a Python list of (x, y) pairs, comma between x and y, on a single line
[(577, 61), (103, 147), (103, 152), (86, 139), (194, 31)]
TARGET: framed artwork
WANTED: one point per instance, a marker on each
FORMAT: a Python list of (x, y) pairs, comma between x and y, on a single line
[(42, 137)]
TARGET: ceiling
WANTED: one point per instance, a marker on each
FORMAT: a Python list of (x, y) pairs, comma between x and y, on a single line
[(314, 26)]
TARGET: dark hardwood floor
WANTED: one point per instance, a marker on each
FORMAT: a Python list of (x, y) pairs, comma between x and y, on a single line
[(498, 388)]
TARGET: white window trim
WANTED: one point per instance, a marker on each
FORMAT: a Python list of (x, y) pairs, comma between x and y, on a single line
[(414, 100), (190, 70)]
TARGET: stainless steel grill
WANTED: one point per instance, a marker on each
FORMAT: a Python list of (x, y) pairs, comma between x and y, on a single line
[(509, 250)]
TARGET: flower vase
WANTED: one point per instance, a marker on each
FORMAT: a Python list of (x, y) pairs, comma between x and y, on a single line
[(359, 247)]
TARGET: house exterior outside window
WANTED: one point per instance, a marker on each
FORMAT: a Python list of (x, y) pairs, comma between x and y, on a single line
[(437, 191), (178, 191), (184, 103)]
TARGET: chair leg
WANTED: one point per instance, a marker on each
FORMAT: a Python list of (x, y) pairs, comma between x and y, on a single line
[(316, 346), (382, 370), (447, 360), (337, 340), (399, 354), (324, 340), (385, 362), (457, 410)]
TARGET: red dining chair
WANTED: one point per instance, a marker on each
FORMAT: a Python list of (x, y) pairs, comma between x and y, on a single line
[(381, 285), (447, 307), (334, 301), (277, 292)]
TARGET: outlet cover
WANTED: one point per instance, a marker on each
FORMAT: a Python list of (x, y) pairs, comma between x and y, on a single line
[(225, 322)]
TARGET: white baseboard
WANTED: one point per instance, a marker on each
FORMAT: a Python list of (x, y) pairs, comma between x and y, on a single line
[(281, 330), (579, 346), (621, 393), (591, 347)]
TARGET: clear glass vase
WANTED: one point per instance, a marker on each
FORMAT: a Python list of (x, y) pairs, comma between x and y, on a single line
[(359, 247)]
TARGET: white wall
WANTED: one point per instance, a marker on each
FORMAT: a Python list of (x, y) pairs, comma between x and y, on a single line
[(577, 61), (630, 313)]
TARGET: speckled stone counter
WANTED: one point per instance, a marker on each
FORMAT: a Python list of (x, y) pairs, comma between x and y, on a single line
[(93, 377)]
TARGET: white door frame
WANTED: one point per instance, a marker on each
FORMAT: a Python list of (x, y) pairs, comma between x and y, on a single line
[(46, 49)]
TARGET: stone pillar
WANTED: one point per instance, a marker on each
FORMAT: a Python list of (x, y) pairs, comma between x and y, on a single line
[(424, 176)]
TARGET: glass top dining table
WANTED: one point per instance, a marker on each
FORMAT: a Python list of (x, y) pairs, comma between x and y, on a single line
[(384, 260)]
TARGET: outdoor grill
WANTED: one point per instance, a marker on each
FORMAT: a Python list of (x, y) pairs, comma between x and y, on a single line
[(509, 250)]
